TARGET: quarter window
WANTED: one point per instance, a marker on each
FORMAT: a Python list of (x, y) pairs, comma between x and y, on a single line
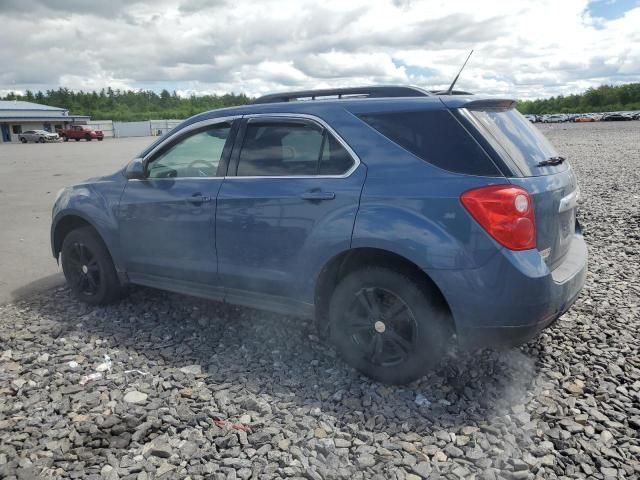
[(290, 149), (197, 155), (436, 137)]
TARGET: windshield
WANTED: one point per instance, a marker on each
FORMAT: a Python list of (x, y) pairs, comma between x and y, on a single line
[(521, 140)]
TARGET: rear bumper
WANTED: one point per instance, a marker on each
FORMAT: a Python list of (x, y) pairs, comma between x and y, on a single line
[(514, 297)]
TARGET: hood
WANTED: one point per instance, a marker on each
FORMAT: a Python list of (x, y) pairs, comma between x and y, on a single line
[(112, 177)]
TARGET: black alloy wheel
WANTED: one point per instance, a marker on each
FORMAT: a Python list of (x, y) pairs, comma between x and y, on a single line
[(88, 267), (381, 327), (83, 269), (391, 325)]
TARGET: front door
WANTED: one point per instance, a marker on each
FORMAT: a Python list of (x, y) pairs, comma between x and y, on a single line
[(292, 189), (166, 219)]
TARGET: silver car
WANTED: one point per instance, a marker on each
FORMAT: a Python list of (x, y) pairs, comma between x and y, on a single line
[(40, 136)]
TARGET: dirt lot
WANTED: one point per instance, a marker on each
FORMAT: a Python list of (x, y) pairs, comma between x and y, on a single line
[(31, 176), (197, 389)]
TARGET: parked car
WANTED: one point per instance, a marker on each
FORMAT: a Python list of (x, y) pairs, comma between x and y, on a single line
[(40, 136), (616, 117), (79, 132), (584, 118), (555, 118), (396, 221)]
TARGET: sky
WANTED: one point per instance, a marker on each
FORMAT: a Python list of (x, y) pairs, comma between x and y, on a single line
[(524, 49)]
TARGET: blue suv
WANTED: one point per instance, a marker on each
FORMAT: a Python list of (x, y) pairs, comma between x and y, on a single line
[(397, 218)]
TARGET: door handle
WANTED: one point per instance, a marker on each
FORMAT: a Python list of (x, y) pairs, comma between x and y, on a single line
[(198, 199), (317, 195)]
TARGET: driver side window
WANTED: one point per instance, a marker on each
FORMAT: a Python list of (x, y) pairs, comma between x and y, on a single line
[(195, 155)]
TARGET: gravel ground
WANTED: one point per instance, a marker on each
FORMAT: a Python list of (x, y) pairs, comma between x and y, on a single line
[(196, 389)]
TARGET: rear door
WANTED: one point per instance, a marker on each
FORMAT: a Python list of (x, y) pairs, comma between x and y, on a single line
[(167, 219), (292, 190), (540, 170)]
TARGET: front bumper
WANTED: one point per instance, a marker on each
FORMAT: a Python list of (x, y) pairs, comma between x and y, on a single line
[(513, 297)]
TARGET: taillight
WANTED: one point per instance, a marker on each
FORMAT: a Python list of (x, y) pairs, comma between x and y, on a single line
[(505, 212)]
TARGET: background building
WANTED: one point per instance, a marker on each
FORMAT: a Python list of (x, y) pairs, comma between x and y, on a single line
[(17, 117)]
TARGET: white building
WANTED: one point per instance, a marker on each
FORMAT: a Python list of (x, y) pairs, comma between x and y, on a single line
[(17, 117)]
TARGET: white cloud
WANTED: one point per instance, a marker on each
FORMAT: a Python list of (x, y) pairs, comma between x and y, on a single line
[(526, 50)]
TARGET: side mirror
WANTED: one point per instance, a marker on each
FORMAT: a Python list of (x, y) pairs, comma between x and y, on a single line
[(135, 170)]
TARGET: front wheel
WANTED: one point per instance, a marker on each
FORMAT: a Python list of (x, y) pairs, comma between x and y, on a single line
[(65, 138), (41, 140), (23, 140), (389, 326), (77, 139), (88, 267)]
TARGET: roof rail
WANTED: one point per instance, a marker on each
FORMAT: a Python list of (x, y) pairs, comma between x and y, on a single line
[(369, 92)]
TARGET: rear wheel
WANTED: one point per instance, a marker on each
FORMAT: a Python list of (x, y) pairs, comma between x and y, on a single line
[(388, 325), (88, 267)]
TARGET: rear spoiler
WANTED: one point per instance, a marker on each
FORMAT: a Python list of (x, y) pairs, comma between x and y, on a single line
[(494, 104)]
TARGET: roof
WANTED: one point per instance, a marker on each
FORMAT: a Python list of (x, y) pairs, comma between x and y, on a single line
[(17, 105), (356, 106)]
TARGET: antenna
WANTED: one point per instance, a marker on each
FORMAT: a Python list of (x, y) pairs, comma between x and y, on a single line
[(450, 90)]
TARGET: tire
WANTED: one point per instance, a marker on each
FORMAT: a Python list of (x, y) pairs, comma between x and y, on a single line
[(77, 139), (41, 140), (65, 138), (100, 139), (87, 138), (88, 268), (23, 140), (387, 325)]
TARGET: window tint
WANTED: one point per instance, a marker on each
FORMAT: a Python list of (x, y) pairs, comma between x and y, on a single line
[(281, 149), (291, 149), (435, 136), (335, 159), (197, 155)]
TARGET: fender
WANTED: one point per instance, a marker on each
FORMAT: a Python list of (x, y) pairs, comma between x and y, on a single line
[(96, 204)]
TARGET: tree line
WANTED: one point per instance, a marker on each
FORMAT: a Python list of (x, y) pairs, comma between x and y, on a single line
[(606, 98), (131, 105)]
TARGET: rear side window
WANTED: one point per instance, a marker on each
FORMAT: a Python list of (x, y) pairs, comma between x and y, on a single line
[(436, 137), (335, 159), (290, 149)]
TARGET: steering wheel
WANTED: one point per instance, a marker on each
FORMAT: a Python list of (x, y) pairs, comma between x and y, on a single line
[(200, 165)]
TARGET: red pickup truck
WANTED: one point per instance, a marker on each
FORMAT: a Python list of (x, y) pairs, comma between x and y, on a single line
[(78, 132)]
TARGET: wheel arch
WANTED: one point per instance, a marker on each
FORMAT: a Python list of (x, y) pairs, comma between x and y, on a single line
[(353, 259), (64, 225)]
